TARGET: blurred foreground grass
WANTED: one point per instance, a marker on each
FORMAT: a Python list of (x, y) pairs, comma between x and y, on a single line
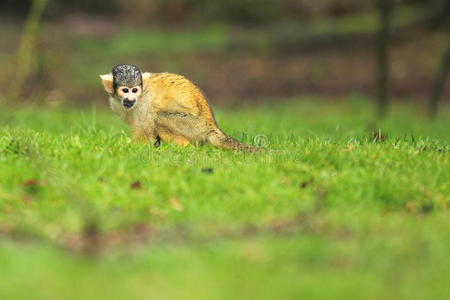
[(340, 207)]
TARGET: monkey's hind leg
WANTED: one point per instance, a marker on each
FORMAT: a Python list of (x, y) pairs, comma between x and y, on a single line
[(170, 137)]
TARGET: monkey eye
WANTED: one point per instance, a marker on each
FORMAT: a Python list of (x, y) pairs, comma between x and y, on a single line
[(134, 90), (125, 90)]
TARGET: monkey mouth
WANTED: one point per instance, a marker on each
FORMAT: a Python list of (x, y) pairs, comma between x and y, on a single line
[(128, 103)]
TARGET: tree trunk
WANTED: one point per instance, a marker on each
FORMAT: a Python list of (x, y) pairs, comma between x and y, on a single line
[(439, 83), (382, 56), (26, 48)]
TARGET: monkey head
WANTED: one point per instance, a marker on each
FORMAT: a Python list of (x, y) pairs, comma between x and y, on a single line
[(124, 83)]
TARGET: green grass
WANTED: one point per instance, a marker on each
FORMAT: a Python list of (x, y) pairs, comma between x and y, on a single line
[(340, 207)]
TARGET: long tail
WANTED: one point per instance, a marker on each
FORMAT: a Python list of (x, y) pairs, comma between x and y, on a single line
[(219, 139)]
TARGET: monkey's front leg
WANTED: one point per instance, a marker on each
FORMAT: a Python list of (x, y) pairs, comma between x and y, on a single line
[(146, 136), (157, 142)]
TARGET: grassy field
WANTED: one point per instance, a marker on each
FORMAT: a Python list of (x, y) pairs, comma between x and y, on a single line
[(338, 207)]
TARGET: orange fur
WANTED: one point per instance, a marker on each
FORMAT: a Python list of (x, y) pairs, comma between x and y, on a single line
[(174, 109)]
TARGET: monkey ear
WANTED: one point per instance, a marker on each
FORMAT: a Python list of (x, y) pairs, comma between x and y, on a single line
[(146, 75), (107, 81)]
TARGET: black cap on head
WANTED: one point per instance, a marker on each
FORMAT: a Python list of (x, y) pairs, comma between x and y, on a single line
[(126, 75)]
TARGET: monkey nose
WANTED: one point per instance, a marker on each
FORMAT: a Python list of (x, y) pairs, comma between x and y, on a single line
[(128, 102)]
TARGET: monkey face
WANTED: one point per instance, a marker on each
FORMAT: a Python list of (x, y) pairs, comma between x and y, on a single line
[(124, 83), (128, 95)]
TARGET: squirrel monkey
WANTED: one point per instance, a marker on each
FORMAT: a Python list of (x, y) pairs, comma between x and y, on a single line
[(164, 107)]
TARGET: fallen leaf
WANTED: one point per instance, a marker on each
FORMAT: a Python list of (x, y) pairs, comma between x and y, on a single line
[(176, 205), (208, 170), (32, 185), (136, 185), (306, 183)]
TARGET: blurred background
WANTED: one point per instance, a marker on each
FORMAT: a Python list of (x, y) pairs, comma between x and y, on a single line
[(237, 51)]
